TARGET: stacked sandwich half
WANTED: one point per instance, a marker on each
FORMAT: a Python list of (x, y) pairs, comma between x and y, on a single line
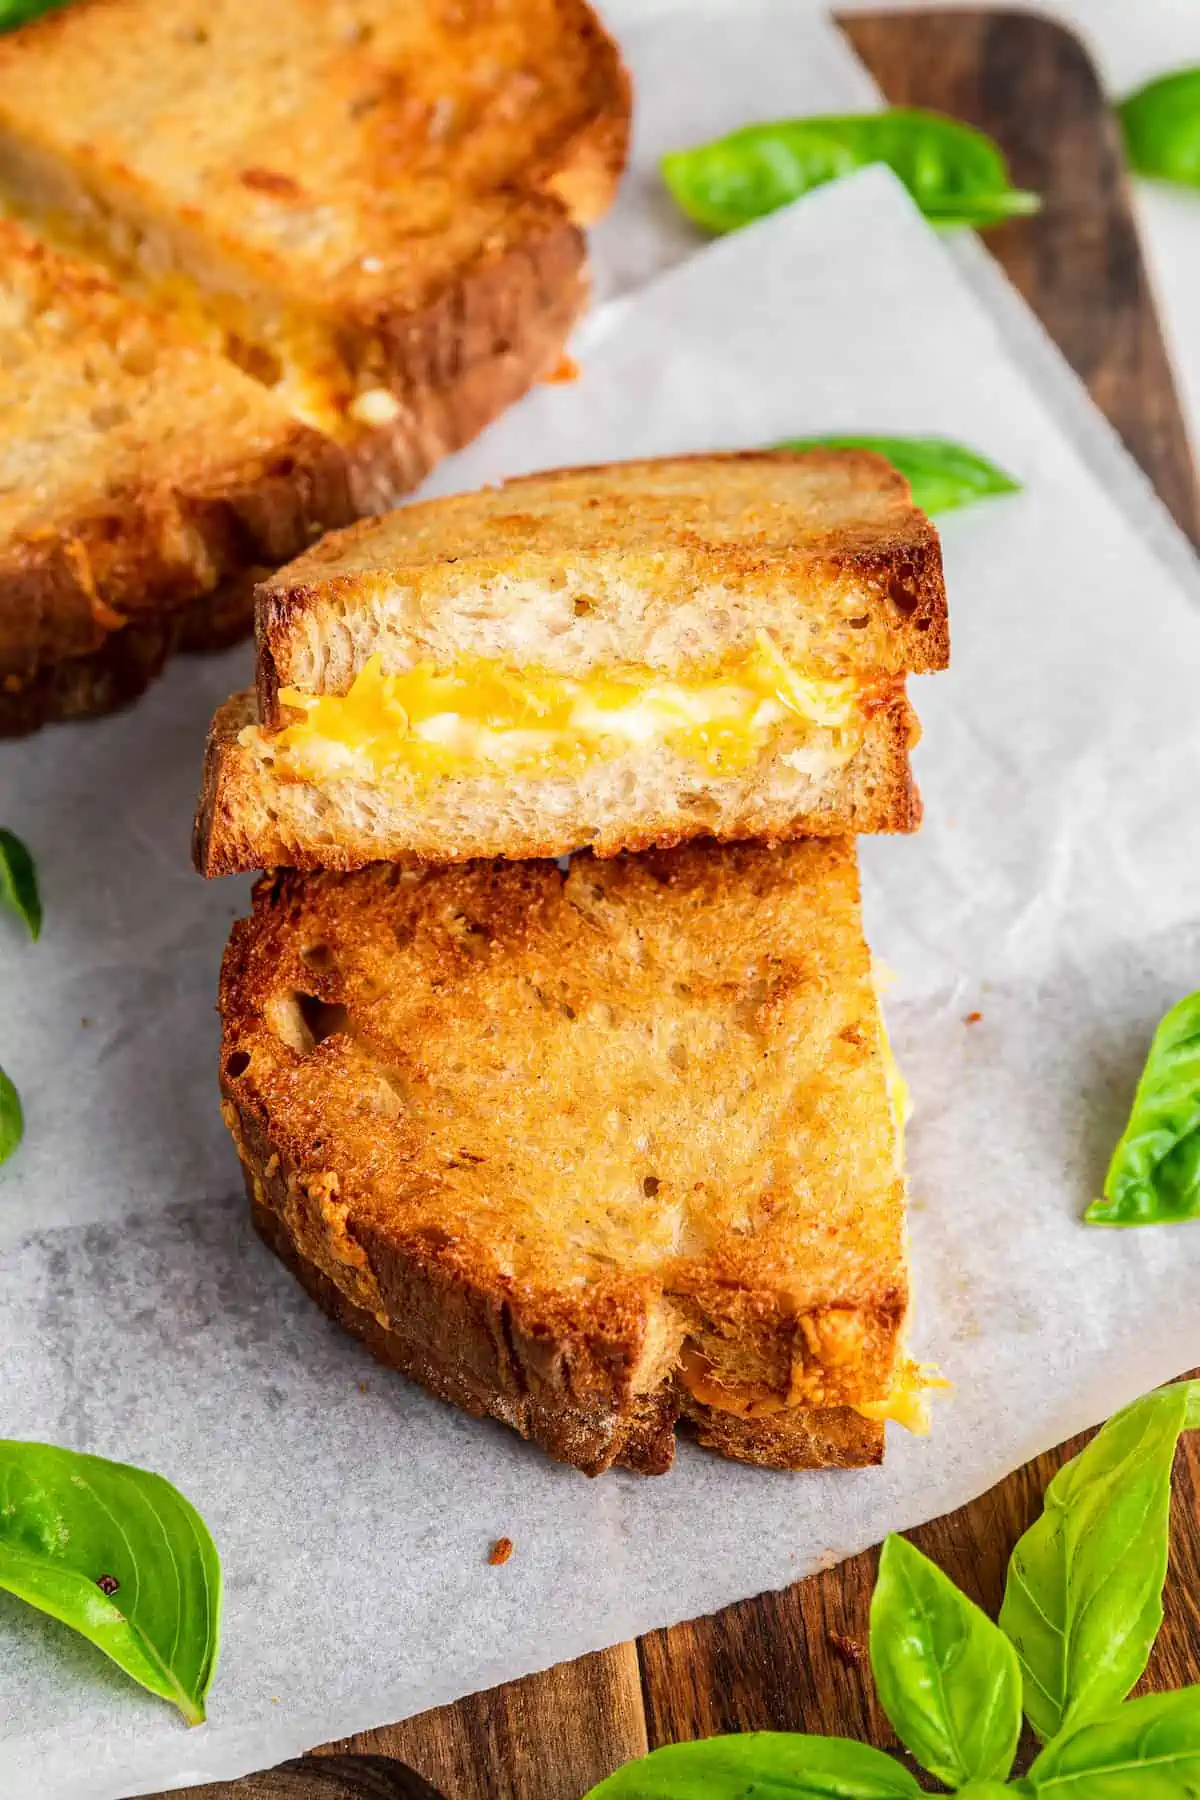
[(589, 1146)]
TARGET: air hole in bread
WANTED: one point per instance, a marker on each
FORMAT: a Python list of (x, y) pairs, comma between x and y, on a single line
[(650, 1186), (582, 605), (255, 360), (318, 957), (302, 1021), (236, 1063), (901, 593), (323, 1020), (859, 624)]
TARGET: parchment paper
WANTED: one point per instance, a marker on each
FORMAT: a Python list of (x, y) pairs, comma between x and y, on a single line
[(1053, 888)]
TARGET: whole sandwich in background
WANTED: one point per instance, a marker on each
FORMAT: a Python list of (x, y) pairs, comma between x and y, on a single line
[(600, 1149), (641, 654), (251, 296)]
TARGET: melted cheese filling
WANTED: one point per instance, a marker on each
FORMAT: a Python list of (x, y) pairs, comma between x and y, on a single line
[(906, 1403), (479, 715)]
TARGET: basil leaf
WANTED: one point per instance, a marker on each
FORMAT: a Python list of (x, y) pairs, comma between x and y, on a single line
[(18, 882), (1154, 1175), (1149, 1748), (18, 12), (941, 473), (12, 1120), (947, 1677), (1161, 122), (783, 1764), (1083, 1599), (119, 1555), (989, 1790), (956, 175)]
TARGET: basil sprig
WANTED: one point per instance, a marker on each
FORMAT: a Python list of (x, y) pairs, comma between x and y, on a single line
[(1148, 1747), (1083, 1600), (956, 175), (1154, 1175), (1161, 122), (19, 12), (19, 883), (946, 1676), (942, 474), (783, 1763), (1080, 1614), (119, 1555), (12, 1119)]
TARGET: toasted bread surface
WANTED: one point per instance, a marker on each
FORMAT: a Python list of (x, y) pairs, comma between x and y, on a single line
[(616, 1142), (336, 193), (138, 473), (252, 814), (642, 562)]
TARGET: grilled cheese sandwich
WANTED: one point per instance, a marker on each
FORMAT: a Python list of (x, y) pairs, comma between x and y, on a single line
[(614, 657)]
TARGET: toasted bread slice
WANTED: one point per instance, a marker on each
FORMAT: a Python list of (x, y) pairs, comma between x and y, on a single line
[(386, 213), (615, 657), (586, 1151), (254, 815), (139, 474)]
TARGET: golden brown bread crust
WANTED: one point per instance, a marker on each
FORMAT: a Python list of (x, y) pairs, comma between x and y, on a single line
[(710, 1208), (479, 347), (355, 227), (824, 547), (246, 819), (119, 672), (116, 509), (456, 335), (641, 1438)]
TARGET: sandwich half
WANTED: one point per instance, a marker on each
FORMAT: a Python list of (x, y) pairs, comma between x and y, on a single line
[(372, 208), (612, 657), (589, 1151), (145, 484)]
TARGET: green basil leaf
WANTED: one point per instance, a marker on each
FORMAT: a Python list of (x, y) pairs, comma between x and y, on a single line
[(18, 882), (942, 474), (990, 1790), (18, 12), (12, 1120), (1161, 122), (947, 1677), (956, 175), (1083, 1599), (1148, 1749), (771, 1765), (119, 1555), (1154, 1175)]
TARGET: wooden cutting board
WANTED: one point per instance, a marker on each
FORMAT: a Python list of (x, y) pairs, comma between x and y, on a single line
[(788, 1660)]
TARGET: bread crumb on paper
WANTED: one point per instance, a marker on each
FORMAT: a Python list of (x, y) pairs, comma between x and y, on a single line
[(500, 1551), (565, 369)]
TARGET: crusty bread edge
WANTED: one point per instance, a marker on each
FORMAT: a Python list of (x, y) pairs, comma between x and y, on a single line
[(582, 171), (150, 550), (637, 1432), (128, 660)]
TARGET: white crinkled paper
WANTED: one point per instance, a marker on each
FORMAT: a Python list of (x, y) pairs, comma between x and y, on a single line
[(1055, 888)]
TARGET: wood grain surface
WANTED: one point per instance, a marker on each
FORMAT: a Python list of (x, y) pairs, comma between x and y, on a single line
[(792, 1660)]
